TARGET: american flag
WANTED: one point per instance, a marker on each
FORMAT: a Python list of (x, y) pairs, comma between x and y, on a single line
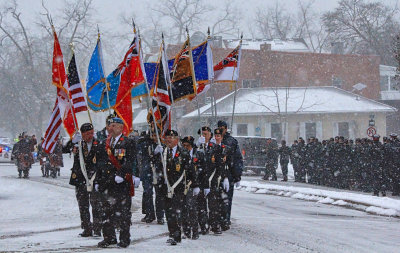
[(53, 130), (161, 102), (75, 87)]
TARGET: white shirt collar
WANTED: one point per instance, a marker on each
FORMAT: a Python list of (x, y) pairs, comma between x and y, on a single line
[(116, 139)]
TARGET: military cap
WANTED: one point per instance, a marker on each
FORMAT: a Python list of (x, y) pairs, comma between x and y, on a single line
[(171, 133), (86, 127), (204, 128), (218, 131), (222, 123), (393, 135), (116, 120), (110, 117), (188, 139), (376, 137)]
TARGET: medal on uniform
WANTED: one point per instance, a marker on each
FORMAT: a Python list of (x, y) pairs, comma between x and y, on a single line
[(213, 159), (73, 175), (94, 159), (178, 167), (109, 152)]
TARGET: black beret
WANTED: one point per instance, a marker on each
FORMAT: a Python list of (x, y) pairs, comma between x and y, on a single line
[(188, 139), (222, 123), (204, 128), (86, 127), (171, 133), (218, 131)]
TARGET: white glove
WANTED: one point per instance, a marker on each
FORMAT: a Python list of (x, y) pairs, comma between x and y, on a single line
[(118, 179), (158, 149), (136, 181), (96, 187), (206, 192), (196, 191), (201, 140), (225, 184), (237, 184), (213, 140), (76, 138)]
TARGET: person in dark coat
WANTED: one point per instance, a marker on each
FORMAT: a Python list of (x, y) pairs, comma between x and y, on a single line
[(115, 181), (378, 171), (178, 171), (234, 167), (284, 155), (83, 179), (23, 156), (103, 134), (146, 164)]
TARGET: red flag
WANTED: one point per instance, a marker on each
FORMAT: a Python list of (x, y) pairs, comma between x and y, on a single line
[(131, 76), (63, 97), (227, 70)]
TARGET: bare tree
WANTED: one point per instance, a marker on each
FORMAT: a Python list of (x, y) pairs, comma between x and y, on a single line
[(25, 86), (310, 28), (182, 13), (275, 22), (364, 27), (227, 20)]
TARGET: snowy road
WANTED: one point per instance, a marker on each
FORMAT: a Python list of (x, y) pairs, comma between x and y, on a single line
[(41, 215)]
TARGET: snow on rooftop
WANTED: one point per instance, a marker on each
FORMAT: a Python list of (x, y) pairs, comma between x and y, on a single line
[(140, 118), (263, 101), (289, 45)]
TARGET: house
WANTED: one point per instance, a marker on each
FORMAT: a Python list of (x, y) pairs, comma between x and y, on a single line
[(292, 112)]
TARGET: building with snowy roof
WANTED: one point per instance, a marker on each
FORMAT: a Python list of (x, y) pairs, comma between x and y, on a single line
[(289, 113)]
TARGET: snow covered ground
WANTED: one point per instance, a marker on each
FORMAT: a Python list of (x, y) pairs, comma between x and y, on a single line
[(41, 215)]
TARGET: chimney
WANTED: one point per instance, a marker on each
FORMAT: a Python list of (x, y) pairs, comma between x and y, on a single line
[(265, 47)]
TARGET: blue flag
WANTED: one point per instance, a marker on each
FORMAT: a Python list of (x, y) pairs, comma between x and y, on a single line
[(95, 83)]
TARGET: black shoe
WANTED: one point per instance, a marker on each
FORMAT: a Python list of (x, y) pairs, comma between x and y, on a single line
[(173, 242), (149, 220), (217, 230), (186, 235), (123, 244), (225, 227), (86, 233), (169, 240), (195, 236), (204, 231), (106, 243), (144, 219), (160, 221), (97, 233)]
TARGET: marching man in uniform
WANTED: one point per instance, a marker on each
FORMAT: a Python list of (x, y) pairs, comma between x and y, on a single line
[(116, 181), (177, 171), (82, 177)]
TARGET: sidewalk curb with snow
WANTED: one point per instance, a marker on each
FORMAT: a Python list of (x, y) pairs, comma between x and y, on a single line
[(371, 204)]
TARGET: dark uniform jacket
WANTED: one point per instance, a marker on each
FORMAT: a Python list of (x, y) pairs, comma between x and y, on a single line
[(216, 161), (176, 166), (90, 158), (234, 158), (125, 154)]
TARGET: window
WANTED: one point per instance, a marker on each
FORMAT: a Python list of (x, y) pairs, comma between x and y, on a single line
[(311, 130), (337, 82), (241, 129), (251, 83), (343, 129), (384, 83), (276, 131)]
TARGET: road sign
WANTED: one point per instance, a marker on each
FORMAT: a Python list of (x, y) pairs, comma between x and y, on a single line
[(371, 131)]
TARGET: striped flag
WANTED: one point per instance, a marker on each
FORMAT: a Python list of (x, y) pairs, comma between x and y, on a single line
[(75, 87), (62, 111), (161, 102), (227, 70), (53, 130)]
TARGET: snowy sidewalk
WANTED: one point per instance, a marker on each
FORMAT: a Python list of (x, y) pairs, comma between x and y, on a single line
[(371, 204)]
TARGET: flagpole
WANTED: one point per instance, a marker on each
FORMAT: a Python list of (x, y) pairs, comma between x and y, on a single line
[(193, 75), (148, 97), (213, 114), (169, 84), (234, 95), (102, 67)]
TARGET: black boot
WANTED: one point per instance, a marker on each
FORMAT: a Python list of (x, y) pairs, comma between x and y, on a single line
[(86, 233), (123, 244), (106, 243)]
